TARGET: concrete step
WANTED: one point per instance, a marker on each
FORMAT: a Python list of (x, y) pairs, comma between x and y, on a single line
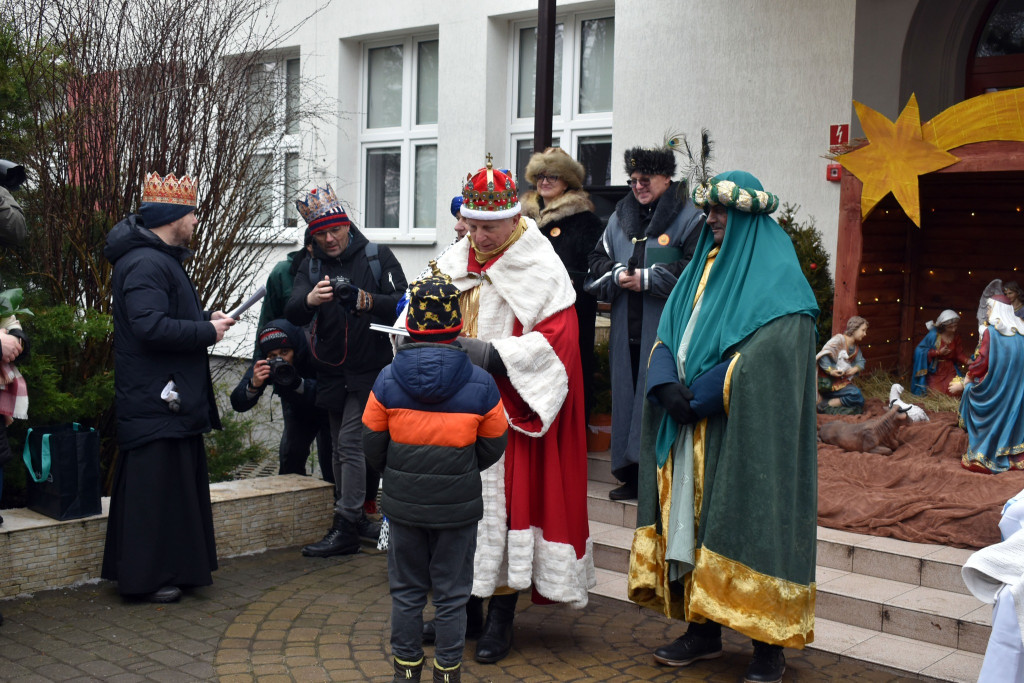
[(599, 467), (887, 645), (898, 604)]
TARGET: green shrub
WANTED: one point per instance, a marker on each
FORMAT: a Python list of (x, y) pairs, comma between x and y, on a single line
[(233, 446), (814, 262), (69, 380)]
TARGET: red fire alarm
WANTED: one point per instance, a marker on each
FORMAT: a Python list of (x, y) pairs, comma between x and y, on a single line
[(834, 172)]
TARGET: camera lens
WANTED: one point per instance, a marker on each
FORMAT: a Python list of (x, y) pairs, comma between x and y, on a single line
[(282, 373)]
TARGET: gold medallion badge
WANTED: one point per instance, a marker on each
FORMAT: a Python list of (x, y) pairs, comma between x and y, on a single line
[(663, 240), (556, 231)]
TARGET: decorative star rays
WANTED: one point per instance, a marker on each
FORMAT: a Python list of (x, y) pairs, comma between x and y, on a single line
[(895, 156), (898, 153)]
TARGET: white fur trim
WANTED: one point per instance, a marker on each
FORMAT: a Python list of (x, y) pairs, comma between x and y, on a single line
[(529, 279), (491, 215), (489, 566), (537, 374)]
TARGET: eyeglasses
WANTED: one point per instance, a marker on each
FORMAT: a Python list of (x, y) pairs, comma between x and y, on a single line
[(550, 178), (333, 232), (642, 182)]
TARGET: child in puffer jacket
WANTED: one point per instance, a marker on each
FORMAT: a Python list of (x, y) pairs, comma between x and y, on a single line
[(433, 422)]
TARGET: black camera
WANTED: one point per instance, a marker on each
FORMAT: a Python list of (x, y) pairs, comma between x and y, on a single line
[(342, 287), (12, 175), (283, 374)]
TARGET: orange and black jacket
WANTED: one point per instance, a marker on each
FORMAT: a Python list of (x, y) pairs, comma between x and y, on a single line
[(433, 422)]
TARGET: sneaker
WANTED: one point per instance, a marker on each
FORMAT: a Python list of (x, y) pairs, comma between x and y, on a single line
[(768, 664), (687, 649)]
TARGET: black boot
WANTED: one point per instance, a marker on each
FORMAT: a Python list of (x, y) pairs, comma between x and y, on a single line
[(628, 491), (474, 617), (368, 528), (768, 664), (701, 641), (429, 632), (496, 640), (451, 674), (342, 539), (407, 671)]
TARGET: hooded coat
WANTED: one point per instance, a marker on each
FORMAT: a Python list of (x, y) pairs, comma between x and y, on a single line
[(676, 223), (347, 354), (434, 421), (161, 333), (301, 361)]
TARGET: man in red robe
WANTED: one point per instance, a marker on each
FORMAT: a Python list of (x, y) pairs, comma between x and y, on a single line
[(520, 325)]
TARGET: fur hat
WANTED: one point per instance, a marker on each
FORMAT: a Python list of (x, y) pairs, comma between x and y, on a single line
[(650, 161), (434, 314), (556, 161)]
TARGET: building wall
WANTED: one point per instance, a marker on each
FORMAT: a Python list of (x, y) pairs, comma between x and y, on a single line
[(766, 79)]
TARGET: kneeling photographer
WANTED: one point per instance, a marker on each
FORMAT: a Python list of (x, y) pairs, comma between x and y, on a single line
[(284, 363)]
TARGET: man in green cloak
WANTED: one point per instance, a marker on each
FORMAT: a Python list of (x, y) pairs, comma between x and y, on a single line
[(727, 515)]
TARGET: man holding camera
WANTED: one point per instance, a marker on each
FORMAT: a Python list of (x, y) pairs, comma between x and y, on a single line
[(347, 283), (283, 362)]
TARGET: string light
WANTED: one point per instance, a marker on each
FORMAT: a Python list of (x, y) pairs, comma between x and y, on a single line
[(972, 214)]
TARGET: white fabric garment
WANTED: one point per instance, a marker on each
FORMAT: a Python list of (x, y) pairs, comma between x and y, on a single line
[(996, 575)]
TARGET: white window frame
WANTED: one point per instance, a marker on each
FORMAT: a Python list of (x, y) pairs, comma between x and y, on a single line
[(407, 137), (569, 126), (278, 149)]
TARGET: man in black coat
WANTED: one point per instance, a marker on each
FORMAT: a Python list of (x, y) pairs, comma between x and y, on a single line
[(347, 283), (160, 528)]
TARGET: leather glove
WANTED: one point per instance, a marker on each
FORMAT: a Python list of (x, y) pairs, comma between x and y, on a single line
[(483, 355), (675, 399)]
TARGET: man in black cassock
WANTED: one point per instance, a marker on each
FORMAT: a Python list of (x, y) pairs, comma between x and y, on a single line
[(160, 529)]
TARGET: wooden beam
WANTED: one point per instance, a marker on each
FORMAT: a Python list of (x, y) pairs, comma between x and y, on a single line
[(848, 251)]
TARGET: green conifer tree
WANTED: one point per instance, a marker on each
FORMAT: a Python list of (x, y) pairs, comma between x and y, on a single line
[(814, 262)]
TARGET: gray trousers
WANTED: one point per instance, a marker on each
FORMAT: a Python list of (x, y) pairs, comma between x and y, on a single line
[(420, 559), (347, 459)]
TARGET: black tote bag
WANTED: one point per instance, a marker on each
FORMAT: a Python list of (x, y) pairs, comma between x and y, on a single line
[(63, 462)]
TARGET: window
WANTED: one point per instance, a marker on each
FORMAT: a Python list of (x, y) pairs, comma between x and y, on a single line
[(583, 89), (398, 137), (275, 90), (997, 62)]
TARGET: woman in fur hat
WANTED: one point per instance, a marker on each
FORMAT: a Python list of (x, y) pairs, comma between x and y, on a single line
[(565, 215)]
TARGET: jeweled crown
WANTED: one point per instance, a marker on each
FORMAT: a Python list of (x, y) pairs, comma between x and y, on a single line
[(169, 189)]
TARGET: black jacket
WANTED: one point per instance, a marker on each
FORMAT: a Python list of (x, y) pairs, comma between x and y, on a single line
[(160, 333), (347, 354), (305, 398)]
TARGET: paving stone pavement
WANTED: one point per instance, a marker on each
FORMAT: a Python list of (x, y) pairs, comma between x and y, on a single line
[(278, 616)]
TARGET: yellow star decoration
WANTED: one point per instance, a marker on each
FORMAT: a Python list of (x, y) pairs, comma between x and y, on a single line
[(895, 156)]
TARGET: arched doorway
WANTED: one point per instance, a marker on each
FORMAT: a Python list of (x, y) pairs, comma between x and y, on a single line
[(996, 60)]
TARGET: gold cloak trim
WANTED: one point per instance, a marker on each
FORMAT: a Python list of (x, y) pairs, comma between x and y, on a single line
[(759, 606)]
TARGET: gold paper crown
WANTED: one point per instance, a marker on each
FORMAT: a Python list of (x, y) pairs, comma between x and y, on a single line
[(319, 202), (169, 190)]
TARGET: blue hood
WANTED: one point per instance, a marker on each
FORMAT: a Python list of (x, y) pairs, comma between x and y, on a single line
[(431, 373)]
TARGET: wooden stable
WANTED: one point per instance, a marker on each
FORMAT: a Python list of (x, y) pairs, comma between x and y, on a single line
[(899, 276)]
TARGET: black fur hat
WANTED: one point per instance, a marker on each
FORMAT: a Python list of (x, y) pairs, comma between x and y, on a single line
[(650, 161)]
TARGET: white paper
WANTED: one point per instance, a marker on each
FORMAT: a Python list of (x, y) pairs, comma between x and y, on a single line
[(259, 294), (388, 329)]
